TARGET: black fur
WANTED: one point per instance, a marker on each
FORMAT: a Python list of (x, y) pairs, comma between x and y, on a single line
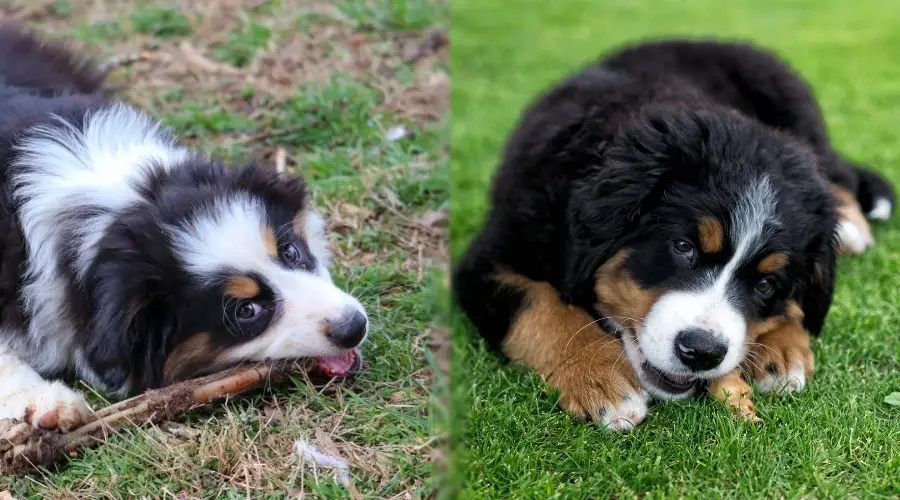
[(632, 150)]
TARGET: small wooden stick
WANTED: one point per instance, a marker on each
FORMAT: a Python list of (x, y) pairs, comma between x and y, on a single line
[(732, 390), (24, 448)]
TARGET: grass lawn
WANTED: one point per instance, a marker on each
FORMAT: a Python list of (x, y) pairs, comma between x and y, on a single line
[(838, 438), (353, 93)]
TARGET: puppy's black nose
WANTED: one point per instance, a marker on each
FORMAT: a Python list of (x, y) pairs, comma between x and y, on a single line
[(348, 331), (699, 350)]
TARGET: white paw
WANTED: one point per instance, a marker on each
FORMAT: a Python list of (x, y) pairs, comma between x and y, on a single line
[(881, 210), (794, 381), (50, 405), (627, 414), (853, 238)]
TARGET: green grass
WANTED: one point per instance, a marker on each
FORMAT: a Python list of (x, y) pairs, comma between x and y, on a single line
[(836, 439), (391, 15), (162, 22), (376, 192)]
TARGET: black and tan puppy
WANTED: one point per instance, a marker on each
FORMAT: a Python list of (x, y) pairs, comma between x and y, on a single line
[(661, 219)]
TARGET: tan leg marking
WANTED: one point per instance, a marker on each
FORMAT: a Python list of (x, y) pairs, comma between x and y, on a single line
[(781, 359), (854, 230), (732, 389), (574, 355), (735, 392)]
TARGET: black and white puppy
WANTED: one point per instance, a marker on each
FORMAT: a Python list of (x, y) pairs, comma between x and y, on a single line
[(134, 262), (661, 219)]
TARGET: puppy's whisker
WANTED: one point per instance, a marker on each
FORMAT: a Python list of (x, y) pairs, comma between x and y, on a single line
[(589, 345), (594, 323)]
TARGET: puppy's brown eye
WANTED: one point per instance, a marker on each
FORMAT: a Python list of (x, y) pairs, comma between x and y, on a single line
[(765, 288), (248, 311), (683, 247), (290, 255)]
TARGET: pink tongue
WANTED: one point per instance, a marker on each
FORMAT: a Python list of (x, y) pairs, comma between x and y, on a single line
[(337, 366), (680, 379)]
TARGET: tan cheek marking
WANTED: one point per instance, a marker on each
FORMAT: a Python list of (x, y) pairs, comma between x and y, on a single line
[(565, 346), (712, 235), (772, 262), (757, 328), (195, 353), (619, 295), (792, 314), (242, 287), (271, 241)]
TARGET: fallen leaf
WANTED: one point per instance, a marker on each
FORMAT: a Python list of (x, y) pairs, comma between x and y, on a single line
[(893, 399), (326, 444), (433, 218), (396, 133), (6, 495)]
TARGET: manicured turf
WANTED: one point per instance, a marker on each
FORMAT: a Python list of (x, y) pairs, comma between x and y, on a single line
[(353, 94), (838, 438)]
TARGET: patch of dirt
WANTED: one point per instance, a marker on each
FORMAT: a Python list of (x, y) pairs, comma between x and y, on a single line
[(289, 58)]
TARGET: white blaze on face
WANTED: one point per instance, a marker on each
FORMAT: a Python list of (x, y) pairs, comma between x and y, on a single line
[(709, 306), (229, 236)]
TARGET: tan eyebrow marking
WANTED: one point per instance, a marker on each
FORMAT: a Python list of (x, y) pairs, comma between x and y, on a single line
[(772, 263), (712, 235), (242, 287)]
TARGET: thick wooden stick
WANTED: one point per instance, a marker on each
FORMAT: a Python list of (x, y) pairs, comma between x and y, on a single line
[(24, 448)]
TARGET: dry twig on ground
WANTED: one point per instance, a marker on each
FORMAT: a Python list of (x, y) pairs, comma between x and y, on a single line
[(23, 448)]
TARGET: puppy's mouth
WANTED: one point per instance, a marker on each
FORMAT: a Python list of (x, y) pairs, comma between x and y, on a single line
[(672, 383), (340, 365), (661, 383)]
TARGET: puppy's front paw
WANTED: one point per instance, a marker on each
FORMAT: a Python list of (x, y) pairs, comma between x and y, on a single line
[(782, 361), (49, 405), (608, 395), (735, 392)]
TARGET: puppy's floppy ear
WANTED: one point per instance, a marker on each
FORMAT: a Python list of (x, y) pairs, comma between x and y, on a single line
[(603, 208), (289, 190), (609, 199), (129, 323), (820, 272)]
